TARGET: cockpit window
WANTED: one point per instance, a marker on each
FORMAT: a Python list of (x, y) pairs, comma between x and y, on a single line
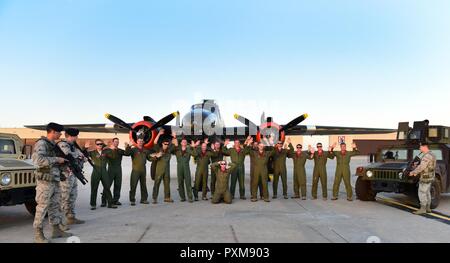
[(7, 147), (395, 154)]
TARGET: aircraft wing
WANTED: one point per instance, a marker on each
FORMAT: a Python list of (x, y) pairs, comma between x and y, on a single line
[(101, 128), (334, 130)]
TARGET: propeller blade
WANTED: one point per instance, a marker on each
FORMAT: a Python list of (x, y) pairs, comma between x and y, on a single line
[(294, 122), (244, 120), (165, 120), (118, 121), (149, 119)]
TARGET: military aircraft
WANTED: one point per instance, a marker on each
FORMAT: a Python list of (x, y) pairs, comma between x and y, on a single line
[(204, 120)]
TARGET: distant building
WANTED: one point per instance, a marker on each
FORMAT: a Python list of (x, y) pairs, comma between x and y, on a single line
[(29, 136)]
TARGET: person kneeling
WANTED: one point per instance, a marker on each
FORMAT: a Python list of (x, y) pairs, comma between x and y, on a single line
[(222, 172)]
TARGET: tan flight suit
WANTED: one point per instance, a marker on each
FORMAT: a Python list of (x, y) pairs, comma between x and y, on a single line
[(320, 173), (343, 171)]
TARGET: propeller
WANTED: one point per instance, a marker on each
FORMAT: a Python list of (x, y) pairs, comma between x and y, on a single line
[(294, 122), (165, 120), (245, 121), (149, 119), (156, 125), (118, 121), (269, 122)]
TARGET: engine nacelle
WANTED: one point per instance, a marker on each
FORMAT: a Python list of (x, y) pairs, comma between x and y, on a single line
[(269, 128), (142, 130)]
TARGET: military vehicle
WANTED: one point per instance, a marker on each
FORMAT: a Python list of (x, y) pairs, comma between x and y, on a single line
[(17, 181), (388, 172)]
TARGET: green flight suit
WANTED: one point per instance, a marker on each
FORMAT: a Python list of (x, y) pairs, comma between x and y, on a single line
[(260, 171), (201, 173), (100, 174), (222, 188), (215, 159), (184, 172), (343, 172), (238, 174), (279, 164), (320, 173), (162, 171), (115, 171), (253, 177), (139, 159), (299, 160)]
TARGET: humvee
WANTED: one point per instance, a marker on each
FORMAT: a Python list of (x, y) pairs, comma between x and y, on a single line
[(387, 172), (17, 181)]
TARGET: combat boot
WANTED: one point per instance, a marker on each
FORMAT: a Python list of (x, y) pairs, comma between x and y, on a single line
[(72, 220), (57, 232), (421, 211), (429, 209), (39, 236)]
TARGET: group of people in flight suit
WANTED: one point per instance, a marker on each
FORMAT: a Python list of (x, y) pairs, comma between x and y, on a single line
[(56, 190)]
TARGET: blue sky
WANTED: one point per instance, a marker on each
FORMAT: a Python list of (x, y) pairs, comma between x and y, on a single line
[(350, 63)]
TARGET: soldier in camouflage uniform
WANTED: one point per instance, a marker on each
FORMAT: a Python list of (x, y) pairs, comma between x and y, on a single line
[(343, 158), (48, 192), (425, 170), (222, 191), (69, 187)]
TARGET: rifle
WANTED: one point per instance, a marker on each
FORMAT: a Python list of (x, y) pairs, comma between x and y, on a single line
[(85, 153), (72, 163), (412, 165)]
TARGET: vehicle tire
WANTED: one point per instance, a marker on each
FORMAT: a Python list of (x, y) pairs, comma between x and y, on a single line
[(31, 206), (363, 189), (435, 193)]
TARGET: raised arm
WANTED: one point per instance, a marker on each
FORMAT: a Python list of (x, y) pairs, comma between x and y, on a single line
[(355, 150), (128, 150), (225, 149), (231, 167), (215, 166)]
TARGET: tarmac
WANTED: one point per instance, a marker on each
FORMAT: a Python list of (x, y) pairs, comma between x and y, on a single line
[(388, 220)]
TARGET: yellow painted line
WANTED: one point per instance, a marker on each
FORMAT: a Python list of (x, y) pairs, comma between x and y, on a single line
[(397, 203), (412, 208)]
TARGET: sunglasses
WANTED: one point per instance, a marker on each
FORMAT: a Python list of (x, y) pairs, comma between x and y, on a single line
[(299, 147), (319, 146), (99, 144)]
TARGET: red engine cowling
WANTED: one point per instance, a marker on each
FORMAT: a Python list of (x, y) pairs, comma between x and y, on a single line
[(150, 138), (265, 126)]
